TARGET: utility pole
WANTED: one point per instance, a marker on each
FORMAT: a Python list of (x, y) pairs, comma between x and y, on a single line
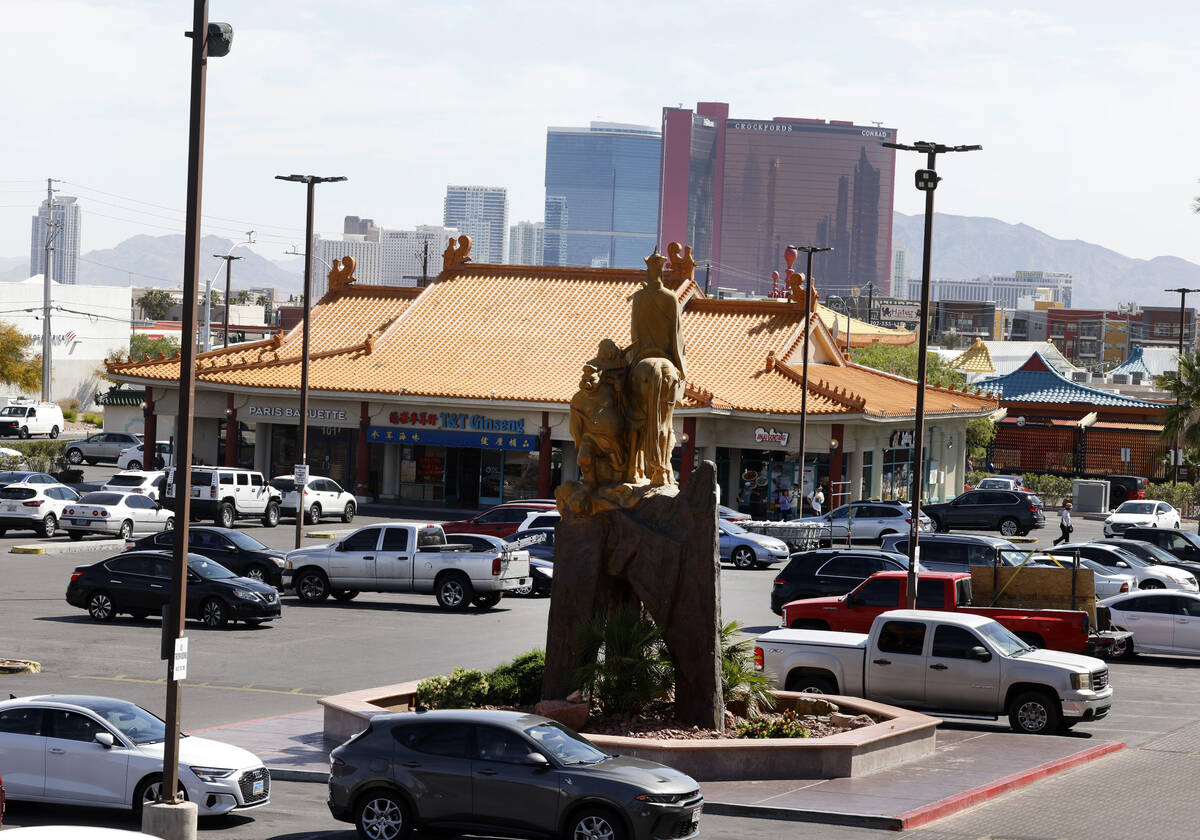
[(228, 262), (707, 272), (1183, 293), (927, 181), (425, 263), (52, 228), (808, 296)]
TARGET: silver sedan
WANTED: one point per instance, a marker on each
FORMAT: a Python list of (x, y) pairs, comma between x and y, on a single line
[(747, 550), (115, 514)]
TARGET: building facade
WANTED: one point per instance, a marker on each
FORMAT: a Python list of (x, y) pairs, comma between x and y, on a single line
[(325, 251), (412, 257), (65, 216), (526, 242), (743, 190), (601, 194), (361, 227), (1008, 291), (482, 214)]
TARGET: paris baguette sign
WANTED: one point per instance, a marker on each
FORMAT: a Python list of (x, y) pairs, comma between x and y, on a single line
[(762, 435)]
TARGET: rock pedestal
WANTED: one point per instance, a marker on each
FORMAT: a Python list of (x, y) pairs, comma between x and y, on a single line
[(663, 553)]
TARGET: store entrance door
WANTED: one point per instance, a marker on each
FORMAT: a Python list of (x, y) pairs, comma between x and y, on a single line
[(491, 476), (468, 477)]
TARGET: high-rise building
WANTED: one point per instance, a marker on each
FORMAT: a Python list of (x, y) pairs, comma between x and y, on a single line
[(601, 194), (361, 227), (403, 254), (325, 251), (740, 191), (1007, 291), (66, 239), (526, 243), (482, 214), (899, 271)]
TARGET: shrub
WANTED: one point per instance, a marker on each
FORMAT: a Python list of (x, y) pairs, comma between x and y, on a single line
[(1179, 495), (627, 664), (740, 682), (975, 476), (70, 408), (785, 725), (517, 683), (465, 688), (1051, 488), (93, 419), (46, 456)]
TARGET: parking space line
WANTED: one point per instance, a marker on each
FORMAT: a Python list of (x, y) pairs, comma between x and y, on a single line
[(297, 692)]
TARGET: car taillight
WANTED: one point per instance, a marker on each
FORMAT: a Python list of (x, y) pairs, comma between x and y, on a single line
[(909, 520), (212, 491), (104, 513), (1138, 494), (758, 659), (33, 503), (779, 581), (1125, 586), (1033, 508), (70, 511), (496, 567), (76, 576)]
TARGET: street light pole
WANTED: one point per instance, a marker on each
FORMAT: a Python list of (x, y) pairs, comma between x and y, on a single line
[(208, 290), (1183, 293), (926, 180), (808, 296), (228, 263), (302, 431)]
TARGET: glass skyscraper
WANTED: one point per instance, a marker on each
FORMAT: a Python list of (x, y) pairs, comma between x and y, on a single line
[(601, 195), (741, 191), (482, 214)]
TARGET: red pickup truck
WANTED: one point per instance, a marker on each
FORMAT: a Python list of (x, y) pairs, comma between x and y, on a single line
[(1067, 630)]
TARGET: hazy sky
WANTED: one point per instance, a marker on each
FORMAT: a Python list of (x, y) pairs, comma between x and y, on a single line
[(1087, 111)]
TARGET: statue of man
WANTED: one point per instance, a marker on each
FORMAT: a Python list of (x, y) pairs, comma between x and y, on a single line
[(655, 321), (598, 429)]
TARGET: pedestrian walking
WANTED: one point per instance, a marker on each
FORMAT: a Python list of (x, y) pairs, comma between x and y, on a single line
[(785, 505), (1064, 524), (817, 500)]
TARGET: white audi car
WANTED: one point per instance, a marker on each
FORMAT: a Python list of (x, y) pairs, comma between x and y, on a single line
[(104, 752)]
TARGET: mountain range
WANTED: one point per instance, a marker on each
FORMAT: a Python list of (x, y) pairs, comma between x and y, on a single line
[(964, 247)]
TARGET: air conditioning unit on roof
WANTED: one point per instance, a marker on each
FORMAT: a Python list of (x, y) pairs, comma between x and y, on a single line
[(1120, 379), (1080, 376)]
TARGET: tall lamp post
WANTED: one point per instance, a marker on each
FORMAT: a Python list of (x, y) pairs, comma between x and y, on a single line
[(208, 40), (927, 181), (249, 240), (808, 296), (1183, 293), (302, 431), (229, 258)]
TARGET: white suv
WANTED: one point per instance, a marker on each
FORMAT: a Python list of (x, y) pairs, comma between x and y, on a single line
[(149, 484), (321, 496), (28, 418), (34, 507), (227, 494), (131, 457)]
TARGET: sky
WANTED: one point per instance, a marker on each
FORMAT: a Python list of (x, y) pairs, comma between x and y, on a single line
[(1086, 111)]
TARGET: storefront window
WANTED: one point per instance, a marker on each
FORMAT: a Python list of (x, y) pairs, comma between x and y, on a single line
[(422, 473), (244, 457), (897, 473), (520, 475), (868, 468)]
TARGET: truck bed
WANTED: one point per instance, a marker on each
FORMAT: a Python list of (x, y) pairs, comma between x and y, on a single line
[(826, 638)]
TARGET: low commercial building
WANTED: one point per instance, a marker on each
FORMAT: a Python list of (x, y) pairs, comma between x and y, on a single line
[(458, 394)]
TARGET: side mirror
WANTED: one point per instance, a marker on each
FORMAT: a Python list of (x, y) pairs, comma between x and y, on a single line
[(536, 759), (340, 547), (981, 653), (853, 601), (1121, 564), (105, 739)]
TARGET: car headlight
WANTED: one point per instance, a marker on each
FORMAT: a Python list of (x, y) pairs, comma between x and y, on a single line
[(663, 798), (279, 561), (246, 594), (211, 774), (1081, 682)]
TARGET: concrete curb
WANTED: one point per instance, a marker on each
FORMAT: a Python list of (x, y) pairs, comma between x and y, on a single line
[(770, 812), (69, 548), (285, 774)]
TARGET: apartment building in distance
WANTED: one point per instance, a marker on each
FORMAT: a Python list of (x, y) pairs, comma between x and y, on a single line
[(65, 214), (325, 251), (1007, 291), (411, 257), (482, 214)]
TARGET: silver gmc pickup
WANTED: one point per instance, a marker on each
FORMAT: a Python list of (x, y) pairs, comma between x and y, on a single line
[(946, 663)]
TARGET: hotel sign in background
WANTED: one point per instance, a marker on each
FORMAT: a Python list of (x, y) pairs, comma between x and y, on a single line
[(439, 437)]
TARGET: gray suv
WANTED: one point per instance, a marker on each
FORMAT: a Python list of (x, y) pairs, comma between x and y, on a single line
[(494, 772), (959, 552), (105, 446)]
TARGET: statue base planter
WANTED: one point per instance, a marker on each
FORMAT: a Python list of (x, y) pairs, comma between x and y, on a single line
[(661, 552)]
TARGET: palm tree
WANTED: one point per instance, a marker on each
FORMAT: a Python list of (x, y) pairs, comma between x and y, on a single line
[(1182, 420)]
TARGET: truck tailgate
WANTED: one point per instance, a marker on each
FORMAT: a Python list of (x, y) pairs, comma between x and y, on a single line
[(514, 565)]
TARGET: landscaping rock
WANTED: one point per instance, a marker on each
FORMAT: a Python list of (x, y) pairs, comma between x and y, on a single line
[(575, 696), (571, 715), (814, 706)]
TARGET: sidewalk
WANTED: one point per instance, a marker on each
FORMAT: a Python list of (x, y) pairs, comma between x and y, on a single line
[(968, 767)]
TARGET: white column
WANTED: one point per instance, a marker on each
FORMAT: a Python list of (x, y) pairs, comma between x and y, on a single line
[(570, 464), (391, 473), (876, 469), (853, 466), (262, 448)]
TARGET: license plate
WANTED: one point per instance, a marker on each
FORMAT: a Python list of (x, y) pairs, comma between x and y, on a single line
[(258, 787), (11, 508), (83, 522), (196, 492)]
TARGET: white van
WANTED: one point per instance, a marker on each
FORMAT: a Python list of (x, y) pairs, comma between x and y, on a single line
[(23, 419)]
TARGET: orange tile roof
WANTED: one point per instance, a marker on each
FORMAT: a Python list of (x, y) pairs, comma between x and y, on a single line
[(522, 333)]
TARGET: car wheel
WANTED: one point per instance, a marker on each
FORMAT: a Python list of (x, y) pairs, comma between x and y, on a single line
[(148, 791), (54, 433), (1009, 527), (75, 536), (939, 526), (100, 606), (256, 572), (74, 456), (595, 824), (134, 465), (1122, 649), (454, 591), (524, 591), (312, 586), (1151, 584), (348, 513), (314, 514), (213, 613), (1033, 713), (49, 525), (743, 557), (225, 515), (382, 815), (487, 601), (126, 530), (345, 595), (811, 684), (271, 515), (169, 525), (24, 433)]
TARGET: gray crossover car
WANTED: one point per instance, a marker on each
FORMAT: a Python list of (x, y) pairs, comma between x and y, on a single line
[(493, 772)]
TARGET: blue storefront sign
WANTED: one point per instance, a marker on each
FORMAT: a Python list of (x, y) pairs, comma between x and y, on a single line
[(438, 437)]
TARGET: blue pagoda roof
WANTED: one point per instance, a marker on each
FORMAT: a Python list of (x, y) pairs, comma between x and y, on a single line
[(1151, 361), (1036, 381)]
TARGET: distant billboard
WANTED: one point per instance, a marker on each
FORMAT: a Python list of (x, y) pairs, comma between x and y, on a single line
[(900, 312)]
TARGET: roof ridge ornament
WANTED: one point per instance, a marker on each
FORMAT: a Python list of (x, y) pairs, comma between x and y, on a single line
[(456, 253), (682, 263), (342, 273)]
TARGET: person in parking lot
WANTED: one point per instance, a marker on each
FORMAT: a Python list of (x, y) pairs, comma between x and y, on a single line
[(818, 500), (1064, 524), (785, 505)]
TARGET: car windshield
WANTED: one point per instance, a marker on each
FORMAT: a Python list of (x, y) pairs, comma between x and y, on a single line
[(730, 528), (1010, 555), (564, 744), (208, 570), (126, 481), (101, 499), (244, 541), (134, 722), (12, 411), (1002, 639), (994, 484), (1136, 507)]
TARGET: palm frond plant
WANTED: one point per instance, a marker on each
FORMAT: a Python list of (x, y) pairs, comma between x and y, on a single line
[(627, 666)]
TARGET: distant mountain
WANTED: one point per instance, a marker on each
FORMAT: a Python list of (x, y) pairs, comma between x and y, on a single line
[(14, 268), (969, 246)]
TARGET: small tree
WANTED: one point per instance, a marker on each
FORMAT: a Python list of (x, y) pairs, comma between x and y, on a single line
[(215, 297), (980, 433), (155, 303), (17, 366), (242, 297), (902, 361), (262, 300)]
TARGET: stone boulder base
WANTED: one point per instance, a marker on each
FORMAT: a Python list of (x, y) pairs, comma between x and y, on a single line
[(571, 715)]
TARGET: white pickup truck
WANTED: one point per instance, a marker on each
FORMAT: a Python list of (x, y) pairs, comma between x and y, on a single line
[(946, 663), (397, 557)]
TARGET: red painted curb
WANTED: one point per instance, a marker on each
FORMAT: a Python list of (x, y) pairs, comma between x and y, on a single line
[(961, 801), (244, 722)]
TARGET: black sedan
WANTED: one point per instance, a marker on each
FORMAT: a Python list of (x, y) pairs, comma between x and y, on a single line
[(1182, 544), (1011, 512), (139, 583), (830, 571), (1152, 553), (240, 553)]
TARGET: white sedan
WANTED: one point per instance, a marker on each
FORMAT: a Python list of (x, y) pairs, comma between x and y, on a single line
[(115, 514), (103, 752), (1142, 513), (34, 507), (1148, 575), (1161, 622)]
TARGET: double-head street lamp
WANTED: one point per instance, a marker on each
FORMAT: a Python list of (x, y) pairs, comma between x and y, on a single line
[(927, 181), (1183, 293), (302, 432), (808, 296)]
